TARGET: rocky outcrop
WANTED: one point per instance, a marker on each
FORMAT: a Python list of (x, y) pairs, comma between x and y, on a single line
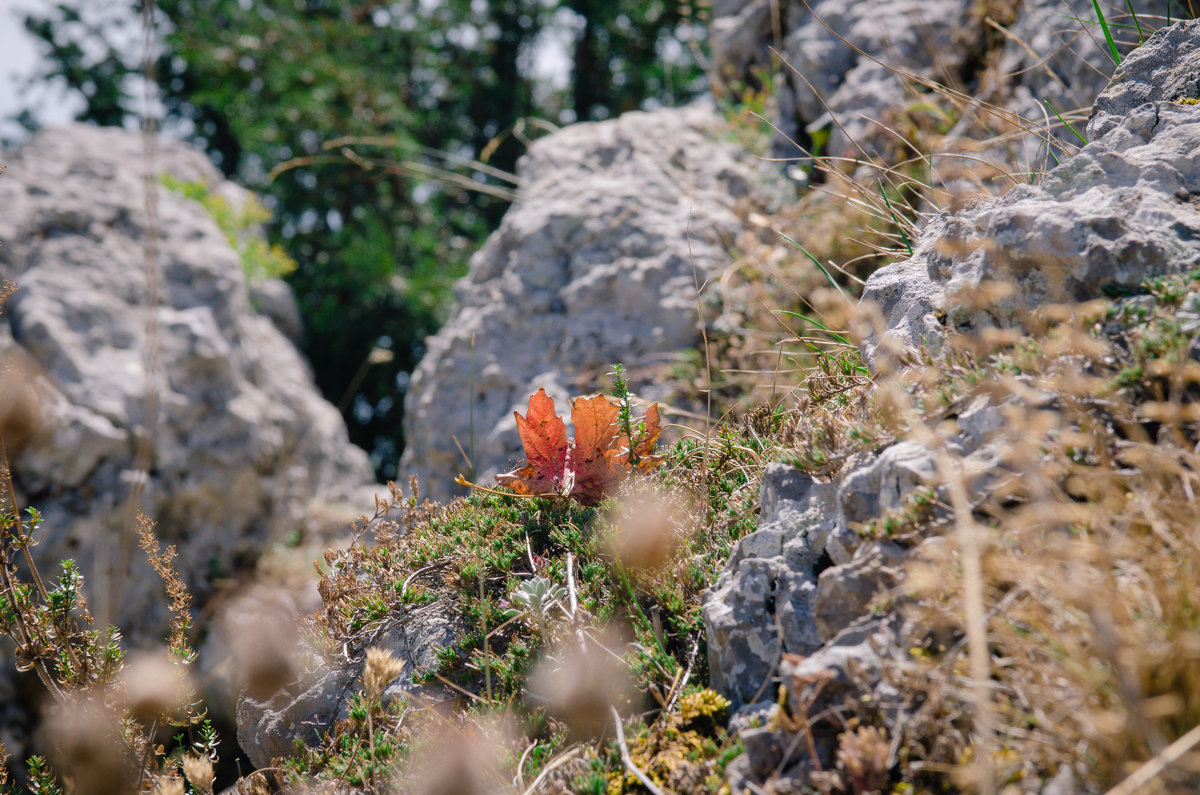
[(598, 262), (850, 67), (1126, 207), (846, 669), (807, 572), (243, 446), (762, 606)]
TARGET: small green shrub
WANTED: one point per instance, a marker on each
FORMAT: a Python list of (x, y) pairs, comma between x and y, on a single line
[(260, 260)]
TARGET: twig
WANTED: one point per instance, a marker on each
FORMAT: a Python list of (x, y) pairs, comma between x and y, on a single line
[(462, 481), (408, 581), (519, 778), (628, 760), (529, 552), (558, 762), (707, 359), (681, 682), (1164, 759), (571, 583), (975, 618)]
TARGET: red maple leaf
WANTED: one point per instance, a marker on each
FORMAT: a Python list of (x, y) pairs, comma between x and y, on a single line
[(588, 468)]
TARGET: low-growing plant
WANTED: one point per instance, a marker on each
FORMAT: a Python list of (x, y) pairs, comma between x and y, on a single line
[(241, 226)]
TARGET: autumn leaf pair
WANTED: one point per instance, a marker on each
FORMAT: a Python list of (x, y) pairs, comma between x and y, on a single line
[(590, 467)]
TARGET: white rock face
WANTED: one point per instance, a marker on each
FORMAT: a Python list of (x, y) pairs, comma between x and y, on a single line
[(596, 263), (243, 446)]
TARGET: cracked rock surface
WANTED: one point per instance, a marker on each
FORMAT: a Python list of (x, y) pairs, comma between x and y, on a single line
[(243, 445), (1125, 208)]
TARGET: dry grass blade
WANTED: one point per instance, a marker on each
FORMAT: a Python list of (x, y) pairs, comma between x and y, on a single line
[(1141, 777), (628, 760)]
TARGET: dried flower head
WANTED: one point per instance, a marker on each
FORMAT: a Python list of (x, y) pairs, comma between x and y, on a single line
[(647, 528), (381, 668), (199, 771), (255, 784), (20, 416), (863, 758), (83, 742), (580, 687), (260, 632), (465, 762), (168, 785)]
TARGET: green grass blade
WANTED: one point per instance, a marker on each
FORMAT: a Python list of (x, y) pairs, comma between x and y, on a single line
[(828, 276), (1132, 13), (812, 321), (1066, 123), (1112, 45), (838, 338), (896, 220)]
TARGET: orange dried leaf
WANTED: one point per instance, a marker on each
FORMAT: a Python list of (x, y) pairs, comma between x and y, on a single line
[(595, 434), (587, 469), (544, 437), (645, 448)]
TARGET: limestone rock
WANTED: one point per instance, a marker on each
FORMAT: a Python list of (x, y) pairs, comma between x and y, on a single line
[(853, 657), (845, 592), (764, 595), (596, 263), (845, 669), (269, 728), (1166, 68), (243, 444), (876, 485), (1126, 207), (844, 60)]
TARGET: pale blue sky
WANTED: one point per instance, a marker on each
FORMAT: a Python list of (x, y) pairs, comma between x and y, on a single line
[(17, 58)]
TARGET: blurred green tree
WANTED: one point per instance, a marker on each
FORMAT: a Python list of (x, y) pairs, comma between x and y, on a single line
[(363, 124)]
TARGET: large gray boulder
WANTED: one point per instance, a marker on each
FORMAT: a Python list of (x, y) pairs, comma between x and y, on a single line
[(597, 262), (850, 67), (1123, 209), (243, 445)]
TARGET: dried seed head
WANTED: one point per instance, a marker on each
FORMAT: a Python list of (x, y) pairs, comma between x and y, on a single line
[(465, 762), (256, 784), (168, 785), (199, 771), (83, 743), (20, 416), (580, 688), (153, 686), (381, 668), (647, 528), (260, 632), (863, 757)]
